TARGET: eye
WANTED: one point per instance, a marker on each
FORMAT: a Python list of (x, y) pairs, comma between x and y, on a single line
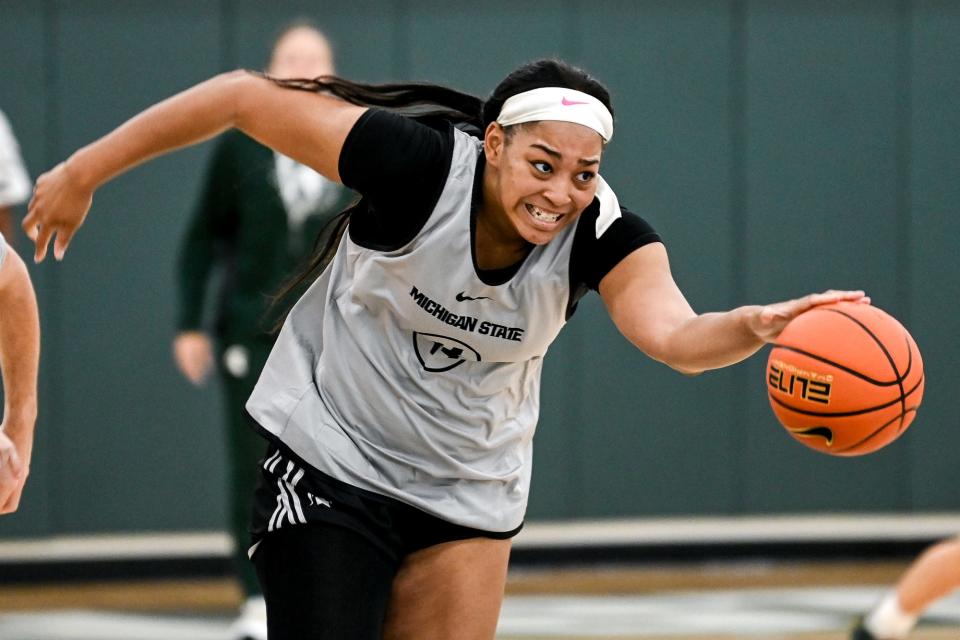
[(541, 166), (585, 176)]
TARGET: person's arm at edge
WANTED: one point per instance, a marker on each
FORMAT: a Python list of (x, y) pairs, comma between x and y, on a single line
[(6, 223), (648, 308), (305, 126), (19, 361)]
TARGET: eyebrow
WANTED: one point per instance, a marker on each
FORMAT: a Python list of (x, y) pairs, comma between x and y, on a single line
[(559, 156)]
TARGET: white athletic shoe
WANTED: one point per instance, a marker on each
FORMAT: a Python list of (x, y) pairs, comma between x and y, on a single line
[(252, 623)]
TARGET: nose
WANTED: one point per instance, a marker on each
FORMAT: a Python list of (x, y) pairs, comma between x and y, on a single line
[(558, 194)]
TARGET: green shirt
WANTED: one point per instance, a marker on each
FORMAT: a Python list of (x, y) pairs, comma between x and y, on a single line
[(239, 225)]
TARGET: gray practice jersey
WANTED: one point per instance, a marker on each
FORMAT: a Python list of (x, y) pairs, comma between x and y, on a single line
[(14, 181), (404, 373), (3, 249)]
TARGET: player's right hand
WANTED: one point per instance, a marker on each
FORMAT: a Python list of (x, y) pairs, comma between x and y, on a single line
[(771, 319), (12, 475), (58, 208)]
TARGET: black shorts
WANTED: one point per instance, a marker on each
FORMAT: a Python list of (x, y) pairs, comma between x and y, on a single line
[(326, 553), (290, 493)]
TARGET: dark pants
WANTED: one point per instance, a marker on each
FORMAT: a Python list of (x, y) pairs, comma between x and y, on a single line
[(328, 552), (245, 449)]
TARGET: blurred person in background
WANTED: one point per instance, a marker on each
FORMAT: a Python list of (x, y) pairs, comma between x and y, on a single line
[(19, 360), (932, 576), (14, 181), (257, 218)]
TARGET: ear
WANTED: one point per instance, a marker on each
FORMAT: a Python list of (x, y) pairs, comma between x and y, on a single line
[(494, 141)]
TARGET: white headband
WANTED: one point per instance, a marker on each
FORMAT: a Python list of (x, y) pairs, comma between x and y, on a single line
[(557, 103)]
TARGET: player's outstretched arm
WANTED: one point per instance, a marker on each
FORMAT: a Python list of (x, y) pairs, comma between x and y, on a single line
[(19, 357), (649, 309), (305, 126)]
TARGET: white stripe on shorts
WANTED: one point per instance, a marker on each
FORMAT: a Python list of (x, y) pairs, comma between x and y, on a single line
[(291, 487), (288, 502), (271, 463)]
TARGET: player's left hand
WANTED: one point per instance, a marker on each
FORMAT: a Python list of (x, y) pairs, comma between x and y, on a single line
[(770, 320)]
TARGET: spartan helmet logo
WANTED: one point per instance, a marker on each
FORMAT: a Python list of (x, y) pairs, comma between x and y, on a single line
[(440, 353)]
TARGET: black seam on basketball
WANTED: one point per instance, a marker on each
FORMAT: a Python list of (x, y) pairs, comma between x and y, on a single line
[(881, 428), (906, 338), (886, 352), (907, 409), (845, 414)]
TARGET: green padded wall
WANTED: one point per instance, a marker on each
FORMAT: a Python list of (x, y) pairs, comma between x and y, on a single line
[(779, 148)]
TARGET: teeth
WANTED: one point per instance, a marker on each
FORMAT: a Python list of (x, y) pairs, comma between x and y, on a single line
[(540, 214)]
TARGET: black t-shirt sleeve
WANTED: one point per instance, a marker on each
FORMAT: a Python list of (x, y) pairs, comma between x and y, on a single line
[(399, 165), (627, 233), (592, 258)]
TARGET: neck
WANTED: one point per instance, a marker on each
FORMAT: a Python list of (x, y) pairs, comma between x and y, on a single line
[(498, 245)]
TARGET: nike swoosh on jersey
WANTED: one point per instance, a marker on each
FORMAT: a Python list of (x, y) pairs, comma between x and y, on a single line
[(463, 297)]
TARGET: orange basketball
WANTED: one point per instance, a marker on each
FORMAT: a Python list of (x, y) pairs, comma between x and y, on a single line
[(845, 378)]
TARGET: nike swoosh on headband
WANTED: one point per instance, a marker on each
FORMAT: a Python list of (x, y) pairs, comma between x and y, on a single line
[(557, 103)]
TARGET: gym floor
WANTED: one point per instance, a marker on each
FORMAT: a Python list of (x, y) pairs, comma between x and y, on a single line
[(769, 578), (756, 600)]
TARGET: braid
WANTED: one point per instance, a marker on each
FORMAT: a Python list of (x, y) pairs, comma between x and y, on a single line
[(418, 100)]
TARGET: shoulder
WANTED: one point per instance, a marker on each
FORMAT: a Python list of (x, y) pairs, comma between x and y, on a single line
[(382, 142), (375, 121), (604, 238), (400, 166)]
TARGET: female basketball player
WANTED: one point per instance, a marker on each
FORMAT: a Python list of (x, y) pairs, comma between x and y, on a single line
[(402, 394)]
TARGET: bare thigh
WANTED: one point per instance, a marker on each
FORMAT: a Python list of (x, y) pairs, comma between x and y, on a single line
[(450, 591)]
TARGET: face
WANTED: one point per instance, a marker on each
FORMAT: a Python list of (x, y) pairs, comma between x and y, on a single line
[(544, 175), (301, 53)]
